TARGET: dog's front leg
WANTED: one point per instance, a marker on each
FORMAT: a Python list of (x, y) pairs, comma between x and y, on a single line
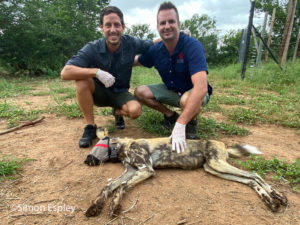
[(138, 177), (138, 157), (98, 203)]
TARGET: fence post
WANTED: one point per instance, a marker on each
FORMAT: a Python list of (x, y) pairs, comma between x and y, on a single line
[(248, 39)]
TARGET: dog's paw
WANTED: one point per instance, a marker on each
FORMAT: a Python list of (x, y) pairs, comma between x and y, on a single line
[(93, 210), (279, 197), (115, 211)]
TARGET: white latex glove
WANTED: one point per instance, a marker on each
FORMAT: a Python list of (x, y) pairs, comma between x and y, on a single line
[(106, 78), (178, 137)]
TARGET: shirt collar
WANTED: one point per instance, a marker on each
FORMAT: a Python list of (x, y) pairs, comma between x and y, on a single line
[(178, 47), (103, 48)]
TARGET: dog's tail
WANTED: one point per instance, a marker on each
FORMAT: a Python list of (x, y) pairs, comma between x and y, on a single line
[(238, 151)]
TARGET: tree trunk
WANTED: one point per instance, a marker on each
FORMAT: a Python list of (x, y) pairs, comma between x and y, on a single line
[(296, 47), (287, 31)]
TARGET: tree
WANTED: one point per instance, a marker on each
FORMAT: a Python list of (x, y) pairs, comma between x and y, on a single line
[(141, 31), (204, 29), (38, 35), (229, 48), (280, 19), (287, 31)]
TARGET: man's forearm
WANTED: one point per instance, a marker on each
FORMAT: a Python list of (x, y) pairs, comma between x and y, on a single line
[(194, 101), (70, 72), (136, 61), (192, 107)]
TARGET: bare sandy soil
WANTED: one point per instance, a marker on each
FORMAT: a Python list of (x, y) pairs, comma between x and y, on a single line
[(57, 187)]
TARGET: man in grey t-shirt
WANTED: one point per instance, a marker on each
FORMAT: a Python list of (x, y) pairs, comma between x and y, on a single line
[(102, 71)]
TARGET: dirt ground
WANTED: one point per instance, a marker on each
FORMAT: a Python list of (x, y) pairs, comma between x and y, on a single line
[(57, 187)]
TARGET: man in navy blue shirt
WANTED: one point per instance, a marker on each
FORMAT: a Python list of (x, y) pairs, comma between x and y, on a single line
[(102, 71), (181, 63)]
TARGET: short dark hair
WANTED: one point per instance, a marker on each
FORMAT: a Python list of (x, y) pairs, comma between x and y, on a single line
[(168, 5), (111, 9)]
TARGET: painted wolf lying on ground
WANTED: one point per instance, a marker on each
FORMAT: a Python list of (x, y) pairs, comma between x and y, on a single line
[(141, 156)]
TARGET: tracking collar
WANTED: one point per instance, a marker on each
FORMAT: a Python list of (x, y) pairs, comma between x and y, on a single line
[(112, 149)]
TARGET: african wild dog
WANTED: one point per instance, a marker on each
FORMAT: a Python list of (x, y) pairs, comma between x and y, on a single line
[(140, 156)]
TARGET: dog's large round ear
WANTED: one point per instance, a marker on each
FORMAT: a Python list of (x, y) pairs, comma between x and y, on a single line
[(102, 132)]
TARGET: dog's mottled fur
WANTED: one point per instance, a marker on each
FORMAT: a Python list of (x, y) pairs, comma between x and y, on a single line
[(141, 156)]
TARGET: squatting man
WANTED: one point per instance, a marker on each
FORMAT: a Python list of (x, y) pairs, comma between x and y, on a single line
[(181, 63), (102, 71)]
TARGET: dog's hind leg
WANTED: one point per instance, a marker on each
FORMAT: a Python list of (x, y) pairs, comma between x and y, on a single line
[(271, 197), (98, 204), (216, 164)]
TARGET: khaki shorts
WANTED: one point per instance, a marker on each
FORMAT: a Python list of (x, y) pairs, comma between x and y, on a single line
[(164, 95), (106, 97)]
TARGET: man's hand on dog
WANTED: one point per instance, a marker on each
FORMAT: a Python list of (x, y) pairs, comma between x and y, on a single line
[(178, 137)]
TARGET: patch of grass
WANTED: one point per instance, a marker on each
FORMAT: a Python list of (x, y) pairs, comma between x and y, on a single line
[(246, 116), (15, 114), (12, 88), (210, 128), (106, 111), (280, 168), (68, 110), (150, 121), (10, 166), (267, 77), (41, 93), (213, 106), (61, 93), (142, 75), (230, 100)]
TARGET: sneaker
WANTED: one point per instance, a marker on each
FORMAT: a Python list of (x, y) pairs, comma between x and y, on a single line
[(191, 129), (88, 135), (119, 121), (169, 122)]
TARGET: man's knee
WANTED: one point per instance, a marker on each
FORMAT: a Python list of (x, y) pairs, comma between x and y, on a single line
[(83, 86), (184, 100), (143, 92), (133, 109)]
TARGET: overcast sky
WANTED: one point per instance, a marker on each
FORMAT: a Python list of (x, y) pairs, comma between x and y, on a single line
[(229, 14)]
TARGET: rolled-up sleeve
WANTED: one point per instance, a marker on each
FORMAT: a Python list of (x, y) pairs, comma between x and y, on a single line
[(196, 58), (83, 57)]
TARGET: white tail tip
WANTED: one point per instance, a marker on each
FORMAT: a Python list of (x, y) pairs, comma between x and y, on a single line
[(252, 150)]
